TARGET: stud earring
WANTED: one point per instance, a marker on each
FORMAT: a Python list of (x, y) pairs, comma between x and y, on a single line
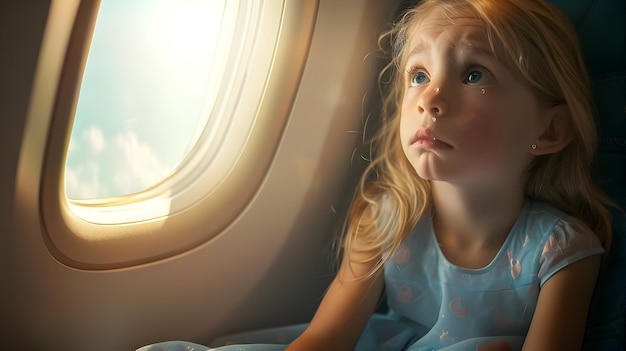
[(436, 90), (483, 91), (533, 146)]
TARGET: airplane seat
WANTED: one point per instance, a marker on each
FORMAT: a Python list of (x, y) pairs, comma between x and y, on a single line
[(601, 26)]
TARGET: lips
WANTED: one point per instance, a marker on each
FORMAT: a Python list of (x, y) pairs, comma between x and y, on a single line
[(427, 138)]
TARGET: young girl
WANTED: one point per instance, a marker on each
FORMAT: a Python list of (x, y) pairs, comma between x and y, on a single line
[(477, 216)]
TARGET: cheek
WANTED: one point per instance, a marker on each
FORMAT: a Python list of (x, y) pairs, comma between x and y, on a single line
[(481, 133), (408, 126)]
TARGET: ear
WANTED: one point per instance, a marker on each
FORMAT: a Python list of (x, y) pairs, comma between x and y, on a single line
[(557, 131)]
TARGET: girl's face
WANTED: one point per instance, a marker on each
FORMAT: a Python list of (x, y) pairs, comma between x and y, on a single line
[(465, 117)]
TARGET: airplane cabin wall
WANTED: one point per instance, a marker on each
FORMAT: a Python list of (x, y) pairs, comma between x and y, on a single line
[(269, 267)]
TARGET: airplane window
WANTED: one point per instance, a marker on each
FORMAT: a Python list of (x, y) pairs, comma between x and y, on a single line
[(146, 93), (165, 113), (168, 98)]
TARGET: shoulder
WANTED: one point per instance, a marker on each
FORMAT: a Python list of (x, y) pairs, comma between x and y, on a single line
[(560, 239)]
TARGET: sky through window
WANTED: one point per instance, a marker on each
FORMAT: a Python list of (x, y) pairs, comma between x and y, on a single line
[(143, 90)]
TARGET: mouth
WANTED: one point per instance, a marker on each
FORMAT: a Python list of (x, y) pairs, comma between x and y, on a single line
[(425, 137)]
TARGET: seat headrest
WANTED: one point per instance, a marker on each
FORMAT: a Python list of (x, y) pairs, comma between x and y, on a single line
[(602, 31)]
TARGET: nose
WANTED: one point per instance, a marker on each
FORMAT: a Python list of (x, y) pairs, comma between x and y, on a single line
[(432, 102)]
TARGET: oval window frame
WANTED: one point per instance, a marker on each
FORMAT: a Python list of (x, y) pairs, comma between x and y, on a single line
[(188, 208)]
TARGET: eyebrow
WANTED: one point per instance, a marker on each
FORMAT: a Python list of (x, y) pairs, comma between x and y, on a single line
[(471, 46), (477, 47)]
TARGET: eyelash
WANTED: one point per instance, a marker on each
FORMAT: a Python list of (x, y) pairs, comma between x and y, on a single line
[(470, 68), (486, 74), (411, 72)]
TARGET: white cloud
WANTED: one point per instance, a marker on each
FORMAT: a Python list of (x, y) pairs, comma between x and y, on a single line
[(94, 138), (138, 166), (98, 167), (82, 182)]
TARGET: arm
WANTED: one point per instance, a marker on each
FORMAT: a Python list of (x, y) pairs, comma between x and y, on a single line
[(561, 313), (345, 309)]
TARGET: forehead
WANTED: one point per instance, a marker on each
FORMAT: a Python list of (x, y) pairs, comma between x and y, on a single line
[(456, 32)]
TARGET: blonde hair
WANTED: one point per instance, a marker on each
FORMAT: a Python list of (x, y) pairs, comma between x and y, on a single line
[(536, 42)]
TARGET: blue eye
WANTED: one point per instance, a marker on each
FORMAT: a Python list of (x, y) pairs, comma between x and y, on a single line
[(474, 77), (419, 78)]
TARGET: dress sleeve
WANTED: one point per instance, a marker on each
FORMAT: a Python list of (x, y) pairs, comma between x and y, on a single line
[(571, 240)]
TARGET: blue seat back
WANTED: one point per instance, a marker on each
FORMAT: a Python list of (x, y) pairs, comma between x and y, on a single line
[(601, 26)]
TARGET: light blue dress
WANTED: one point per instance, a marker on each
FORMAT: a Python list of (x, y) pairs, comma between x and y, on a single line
[(435, 305)]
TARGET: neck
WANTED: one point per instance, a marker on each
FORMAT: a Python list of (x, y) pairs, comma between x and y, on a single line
[(475, 215)]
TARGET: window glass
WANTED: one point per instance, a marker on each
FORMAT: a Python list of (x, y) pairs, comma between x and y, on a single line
[(145, 94)]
